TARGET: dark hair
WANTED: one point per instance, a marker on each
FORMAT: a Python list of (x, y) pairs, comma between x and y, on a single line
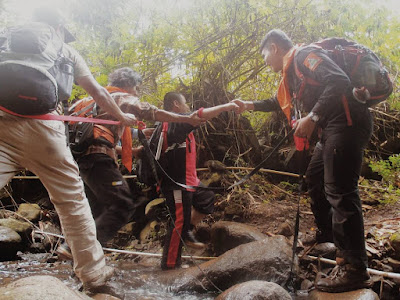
[(278, 37), (169, 99), (124, 77)]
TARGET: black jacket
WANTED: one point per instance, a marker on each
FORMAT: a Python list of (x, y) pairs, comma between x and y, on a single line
[(326, 99)]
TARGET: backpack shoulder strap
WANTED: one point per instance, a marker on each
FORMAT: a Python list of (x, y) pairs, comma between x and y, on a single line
[(305, 80)]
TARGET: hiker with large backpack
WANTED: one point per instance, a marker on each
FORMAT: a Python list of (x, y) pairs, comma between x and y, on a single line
[(186, 206), (108, 192), (334, 81), (37, 69)]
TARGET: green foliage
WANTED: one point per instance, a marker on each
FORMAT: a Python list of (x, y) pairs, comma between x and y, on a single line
[(210, 49), (389, 170), (211, 45)]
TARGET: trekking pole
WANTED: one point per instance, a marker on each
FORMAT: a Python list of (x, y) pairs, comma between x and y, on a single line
[(301, 145)]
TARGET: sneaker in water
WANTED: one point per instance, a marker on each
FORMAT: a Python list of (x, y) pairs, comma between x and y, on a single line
[(343, 278), (192, 242), (101, 284), (64, 252)]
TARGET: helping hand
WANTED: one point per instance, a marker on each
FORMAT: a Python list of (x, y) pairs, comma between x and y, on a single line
[(241, 106), (195, 120), (129, 120), (232, 106)]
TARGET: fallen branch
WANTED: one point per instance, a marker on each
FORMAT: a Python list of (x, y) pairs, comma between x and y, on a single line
[(370, 271), (385, 114), (130, 252), (251, 169)]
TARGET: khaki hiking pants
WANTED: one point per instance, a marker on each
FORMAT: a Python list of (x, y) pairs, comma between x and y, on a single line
[(40, 146)]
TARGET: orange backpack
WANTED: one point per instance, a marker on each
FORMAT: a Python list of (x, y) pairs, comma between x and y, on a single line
[(84, 134)]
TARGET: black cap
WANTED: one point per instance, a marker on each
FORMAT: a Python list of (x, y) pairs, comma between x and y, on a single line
[(54, 18)]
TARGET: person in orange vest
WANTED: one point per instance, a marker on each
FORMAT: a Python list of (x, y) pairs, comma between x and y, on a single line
[(332, 175), (108, 192)]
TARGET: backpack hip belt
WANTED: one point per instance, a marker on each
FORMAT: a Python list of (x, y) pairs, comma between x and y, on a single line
[(102, 149)]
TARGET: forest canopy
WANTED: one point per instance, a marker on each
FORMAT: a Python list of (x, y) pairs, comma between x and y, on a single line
[(209, 49)]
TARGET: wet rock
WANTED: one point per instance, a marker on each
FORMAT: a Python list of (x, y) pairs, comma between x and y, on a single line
[(267, 260), (234, 210), (255, 289), (23, 228), (363, 294), (29, 211), (228, 235), (285, 229), (40, 288), (203, 232), (46, 240), (37, 248), (10, 243), (326, 250), (306, 284)]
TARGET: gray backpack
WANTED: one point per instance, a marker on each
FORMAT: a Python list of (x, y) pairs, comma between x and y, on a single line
[(34, 74)]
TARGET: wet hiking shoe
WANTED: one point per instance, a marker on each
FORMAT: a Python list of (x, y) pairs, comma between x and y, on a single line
[(101, 284), (64, 252), (343, 278), (192, 242)]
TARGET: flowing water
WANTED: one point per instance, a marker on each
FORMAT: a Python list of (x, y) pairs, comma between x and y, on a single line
[(137, 281)]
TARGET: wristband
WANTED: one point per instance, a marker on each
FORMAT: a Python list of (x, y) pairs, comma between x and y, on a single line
[(200, 112)]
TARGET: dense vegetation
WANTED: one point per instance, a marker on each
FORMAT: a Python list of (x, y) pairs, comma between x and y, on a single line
[(209, 50)]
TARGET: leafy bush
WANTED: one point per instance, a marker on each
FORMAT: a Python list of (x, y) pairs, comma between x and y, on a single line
[(389, 170)]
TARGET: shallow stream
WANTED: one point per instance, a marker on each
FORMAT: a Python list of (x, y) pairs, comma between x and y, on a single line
[(134, 279)]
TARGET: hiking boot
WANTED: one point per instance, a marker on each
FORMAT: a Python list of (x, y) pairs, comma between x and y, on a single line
[(323, 237), (343, 278), (101, 284), (192, 242), (64, 252)]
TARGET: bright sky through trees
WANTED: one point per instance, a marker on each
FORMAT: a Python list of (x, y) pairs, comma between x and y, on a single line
[(22, 9)]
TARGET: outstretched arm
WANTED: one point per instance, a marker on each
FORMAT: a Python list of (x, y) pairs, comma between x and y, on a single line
[(166, 116), (270, 104), (104, 99), (243, 105), (212, 112)]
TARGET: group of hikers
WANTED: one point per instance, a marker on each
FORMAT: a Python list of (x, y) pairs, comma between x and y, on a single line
[(311, 82)]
